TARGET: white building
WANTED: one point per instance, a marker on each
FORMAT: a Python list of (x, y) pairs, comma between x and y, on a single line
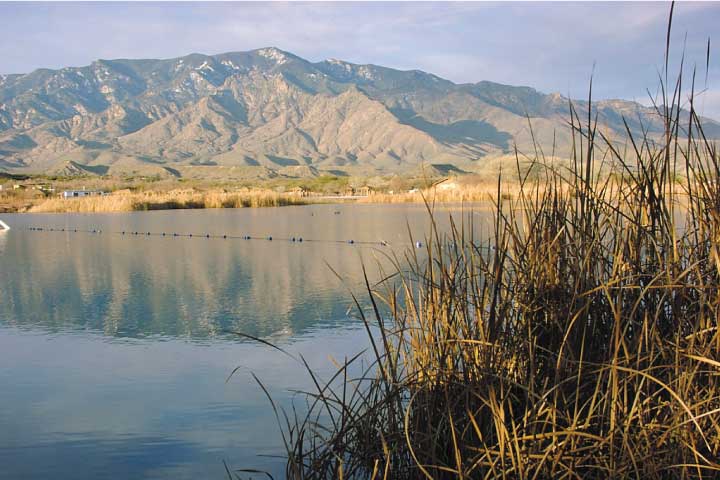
[(80, 193)]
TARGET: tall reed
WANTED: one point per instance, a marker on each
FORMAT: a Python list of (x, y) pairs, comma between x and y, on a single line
[(127, 201), (580, 341), (443, 193)]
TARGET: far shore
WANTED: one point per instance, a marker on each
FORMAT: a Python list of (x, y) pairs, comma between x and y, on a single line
[(212, 198), (135, 192), (128, 201)]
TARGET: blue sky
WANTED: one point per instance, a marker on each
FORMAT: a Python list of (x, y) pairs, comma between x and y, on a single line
[(549, 46)]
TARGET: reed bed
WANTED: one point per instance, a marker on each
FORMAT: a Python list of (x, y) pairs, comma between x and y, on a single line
[(128, 202), (441, 194), (580, 341), (19, 200)]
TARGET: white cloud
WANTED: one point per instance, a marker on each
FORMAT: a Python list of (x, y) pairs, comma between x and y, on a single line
[(550, 46), (708, 104)]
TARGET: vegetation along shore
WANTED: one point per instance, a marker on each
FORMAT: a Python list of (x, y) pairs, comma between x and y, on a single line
[(38, 194), (579, 341), (122, 194)]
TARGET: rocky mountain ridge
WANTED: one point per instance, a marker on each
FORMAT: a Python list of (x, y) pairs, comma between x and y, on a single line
[(272, 109)]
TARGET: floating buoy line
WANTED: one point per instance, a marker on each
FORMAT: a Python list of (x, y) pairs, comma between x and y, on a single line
[(207, 236)]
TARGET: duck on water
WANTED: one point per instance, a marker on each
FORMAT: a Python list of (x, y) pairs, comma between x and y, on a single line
[(4, 226)]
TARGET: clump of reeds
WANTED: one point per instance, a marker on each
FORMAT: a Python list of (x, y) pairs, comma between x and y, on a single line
[(580, 341), (447, 192), (132, 201), (18, 200)]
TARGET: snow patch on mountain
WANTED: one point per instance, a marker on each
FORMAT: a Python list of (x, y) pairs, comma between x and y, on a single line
[(273, 54), (205, 66)]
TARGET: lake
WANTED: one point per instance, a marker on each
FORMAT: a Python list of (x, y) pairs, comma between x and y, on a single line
[(115, 349)]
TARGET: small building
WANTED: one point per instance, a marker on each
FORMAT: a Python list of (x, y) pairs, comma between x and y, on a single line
[(364, 191), (300, 192), (81, 193), (349, 191), (445, 186)]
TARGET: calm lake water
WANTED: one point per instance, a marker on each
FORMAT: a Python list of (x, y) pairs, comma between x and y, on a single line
[(115, 350)]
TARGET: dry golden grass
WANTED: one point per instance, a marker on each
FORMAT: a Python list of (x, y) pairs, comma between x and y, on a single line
[(446, 194), (175, 199), (581, 340), (19, 200)]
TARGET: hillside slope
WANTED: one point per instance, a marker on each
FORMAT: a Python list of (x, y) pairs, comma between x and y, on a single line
[(272, 109)]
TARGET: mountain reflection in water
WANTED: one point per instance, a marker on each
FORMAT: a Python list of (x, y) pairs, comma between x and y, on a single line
[(114, 350)]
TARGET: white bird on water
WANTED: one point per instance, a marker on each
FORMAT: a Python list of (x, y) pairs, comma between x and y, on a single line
[(4, 226)]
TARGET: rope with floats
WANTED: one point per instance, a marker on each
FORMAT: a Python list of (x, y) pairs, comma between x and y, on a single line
[(267, 238)]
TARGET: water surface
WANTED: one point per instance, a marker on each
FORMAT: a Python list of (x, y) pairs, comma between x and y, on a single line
[(115, 349)]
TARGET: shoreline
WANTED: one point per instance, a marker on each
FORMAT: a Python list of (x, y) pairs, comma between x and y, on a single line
[(125, 201), (197, 199)]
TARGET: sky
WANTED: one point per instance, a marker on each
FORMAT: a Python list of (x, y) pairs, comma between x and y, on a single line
[(553, 47)]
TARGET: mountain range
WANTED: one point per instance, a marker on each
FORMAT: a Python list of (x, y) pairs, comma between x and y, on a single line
[(276, 112)]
